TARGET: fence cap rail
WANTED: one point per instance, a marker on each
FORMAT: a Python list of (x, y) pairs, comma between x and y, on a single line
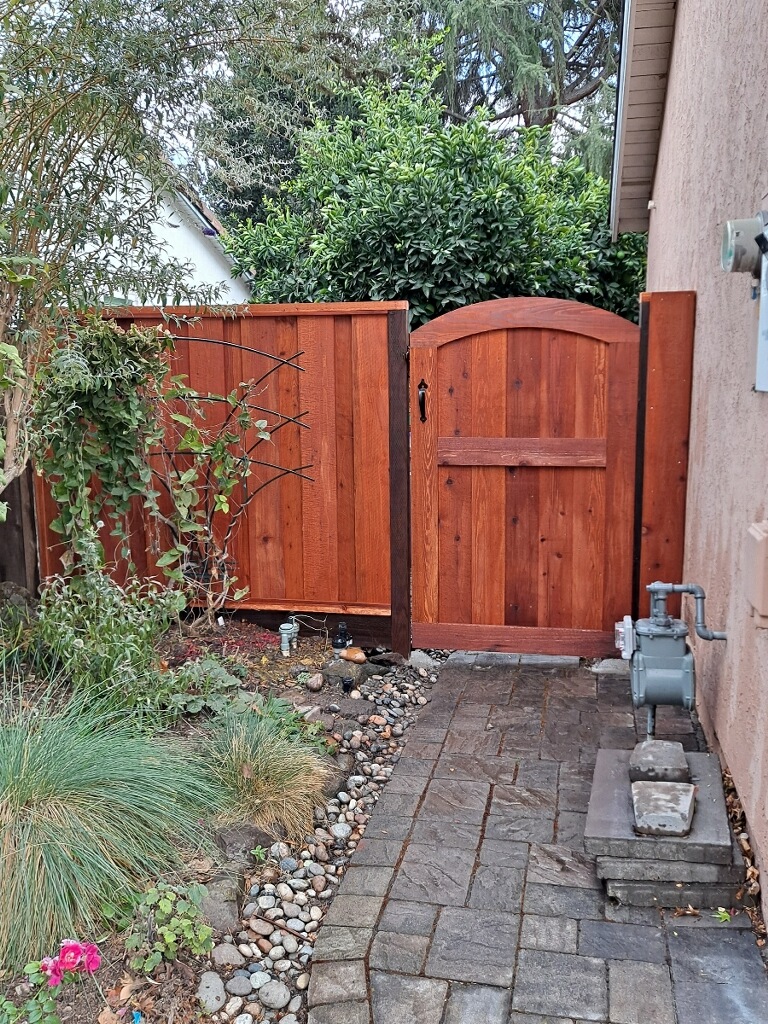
[(259, 309)]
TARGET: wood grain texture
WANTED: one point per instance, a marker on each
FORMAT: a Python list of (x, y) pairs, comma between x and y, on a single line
[(589, 510), (584, 643), (522, 484), (489, 418), (424, 493), (286, 346), (521, 451), (318, 450), (671, 319), (371, 452), (514, 314), (345, 456), (623, 366), (557, 421), (264, 552), (451, 409)]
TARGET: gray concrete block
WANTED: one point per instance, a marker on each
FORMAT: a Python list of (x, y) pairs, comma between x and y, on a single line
[(340, 1013), (608, 940), (342, 943), (609, 830), (561, 661), (663, 808), (671, 894), (624, 869), (558, 934), (393, 951), (718, 976), (658, 761), (560, 984), (396, 998), (477, 1004), (640, 993), (474, 945), (337, 982), (611, 667)]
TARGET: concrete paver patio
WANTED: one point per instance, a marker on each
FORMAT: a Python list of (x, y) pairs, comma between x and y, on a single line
[(471, 900)]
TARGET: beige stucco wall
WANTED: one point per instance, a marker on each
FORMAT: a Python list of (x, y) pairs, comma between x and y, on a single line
[(713, 167)]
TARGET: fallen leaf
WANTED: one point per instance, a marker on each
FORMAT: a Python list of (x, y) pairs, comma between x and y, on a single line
[(246, 771), (108, 1016), (129, 987), (688, 911)]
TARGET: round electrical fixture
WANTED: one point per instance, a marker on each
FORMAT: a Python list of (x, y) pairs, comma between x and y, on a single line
[(740, 252)]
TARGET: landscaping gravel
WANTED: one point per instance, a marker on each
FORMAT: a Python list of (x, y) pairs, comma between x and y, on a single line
[(280, 919)]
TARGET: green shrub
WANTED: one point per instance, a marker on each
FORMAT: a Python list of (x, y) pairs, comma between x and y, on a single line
[(88, 813), (397, 201), (168, 919), (274, 780), (103, 638)]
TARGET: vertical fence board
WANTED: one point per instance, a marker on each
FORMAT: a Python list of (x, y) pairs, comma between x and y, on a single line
[(290, 487), (371, 454), (522, 483), (489, 419), (344, 373), (669, 318)]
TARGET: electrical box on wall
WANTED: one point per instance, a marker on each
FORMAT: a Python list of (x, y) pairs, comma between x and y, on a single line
[(756, 572), (745, 250)]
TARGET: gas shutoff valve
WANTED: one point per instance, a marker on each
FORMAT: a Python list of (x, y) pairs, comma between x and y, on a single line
[(661, 664)]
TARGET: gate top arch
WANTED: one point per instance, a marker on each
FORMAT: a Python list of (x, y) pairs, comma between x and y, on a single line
[(527, 312)]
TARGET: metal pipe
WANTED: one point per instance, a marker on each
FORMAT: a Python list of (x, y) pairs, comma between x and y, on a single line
[(651, 720), (699, 595)]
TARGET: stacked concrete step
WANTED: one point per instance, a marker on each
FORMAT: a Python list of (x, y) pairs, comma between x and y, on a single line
[(703, 868)]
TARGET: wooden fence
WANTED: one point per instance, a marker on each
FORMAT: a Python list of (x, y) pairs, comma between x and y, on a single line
[(339, 545), (333, 543)]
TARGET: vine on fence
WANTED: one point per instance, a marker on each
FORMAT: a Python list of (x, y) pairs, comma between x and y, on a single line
[(113, 425)]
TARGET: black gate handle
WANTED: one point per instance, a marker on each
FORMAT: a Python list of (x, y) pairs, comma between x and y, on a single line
[(423, 399)]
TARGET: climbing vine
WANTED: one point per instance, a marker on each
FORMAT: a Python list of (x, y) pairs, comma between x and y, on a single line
[(113, 425)]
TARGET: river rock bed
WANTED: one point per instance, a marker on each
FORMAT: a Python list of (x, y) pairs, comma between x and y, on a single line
[(261, 973)]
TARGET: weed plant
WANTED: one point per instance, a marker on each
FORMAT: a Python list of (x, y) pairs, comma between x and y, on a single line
[(274, 780), (89, 812)]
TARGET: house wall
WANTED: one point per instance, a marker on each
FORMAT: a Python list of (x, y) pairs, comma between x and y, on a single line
[(713, 167), (181, 232)]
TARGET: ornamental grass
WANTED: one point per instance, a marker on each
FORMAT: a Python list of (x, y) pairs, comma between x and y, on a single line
[(88, 813), (274, 780)]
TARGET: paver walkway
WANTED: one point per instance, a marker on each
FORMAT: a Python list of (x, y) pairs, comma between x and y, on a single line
[(471, 901)]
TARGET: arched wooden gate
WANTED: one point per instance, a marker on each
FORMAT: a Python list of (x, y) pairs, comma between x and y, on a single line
[(524, 418)]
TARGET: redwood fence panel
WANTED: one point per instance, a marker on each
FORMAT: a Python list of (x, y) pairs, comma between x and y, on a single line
[(321, 545)]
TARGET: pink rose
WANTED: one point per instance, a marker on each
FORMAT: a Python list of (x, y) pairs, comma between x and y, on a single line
[(70, 955), (91, 958), (51, 967)]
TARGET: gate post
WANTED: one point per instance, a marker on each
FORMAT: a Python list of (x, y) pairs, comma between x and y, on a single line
[(399, 483)]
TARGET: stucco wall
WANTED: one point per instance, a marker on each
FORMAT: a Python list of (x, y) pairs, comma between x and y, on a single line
[(713, 167)]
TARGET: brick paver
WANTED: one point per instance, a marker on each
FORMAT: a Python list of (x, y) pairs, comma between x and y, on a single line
[(472, 899)]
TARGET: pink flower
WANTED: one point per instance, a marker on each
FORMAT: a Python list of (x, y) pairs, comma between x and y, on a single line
[(70, 955), (51, 967), (91, 958)]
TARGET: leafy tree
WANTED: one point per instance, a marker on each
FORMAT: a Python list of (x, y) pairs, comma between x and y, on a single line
[(552, 62), (246, 134), (397, 202), (94, 97)]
